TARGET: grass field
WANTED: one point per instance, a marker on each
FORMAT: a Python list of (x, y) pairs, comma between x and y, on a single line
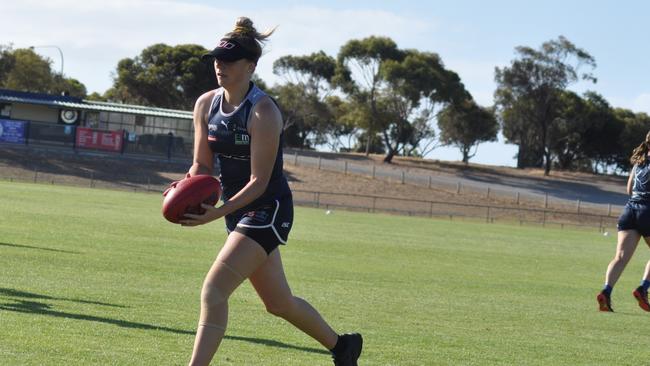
[(97, 277)]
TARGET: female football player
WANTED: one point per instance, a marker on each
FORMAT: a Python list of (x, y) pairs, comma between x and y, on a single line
[(633, 224), (242, 126)]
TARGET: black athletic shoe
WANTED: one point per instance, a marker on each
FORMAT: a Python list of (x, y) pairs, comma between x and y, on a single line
[(352, 345)]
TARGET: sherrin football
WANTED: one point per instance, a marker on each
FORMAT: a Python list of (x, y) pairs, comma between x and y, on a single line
[(186, 196)]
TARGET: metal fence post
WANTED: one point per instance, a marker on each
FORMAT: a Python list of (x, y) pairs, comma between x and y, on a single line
[(517, 198), (487, 218), (545, 200), (609, 209), (373, 171), (488, 193), (403, 177), (35, 174), (458, 188), (346, 167), (295, 158), (600, 227), (578, 206), (319, 162), (429, 182)]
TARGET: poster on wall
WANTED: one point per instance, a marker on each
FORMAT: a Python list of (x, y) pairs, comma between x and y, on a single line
[(12, 131), (89, 138)]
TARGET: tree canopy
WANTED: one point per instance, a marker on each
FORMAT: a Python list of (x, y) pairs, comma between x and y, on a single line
[(163, 76), (528, 93), (23, 69)]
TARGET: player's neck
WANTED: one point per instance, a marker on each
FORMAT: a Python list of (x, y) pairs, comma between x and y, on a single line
[(234, 95)]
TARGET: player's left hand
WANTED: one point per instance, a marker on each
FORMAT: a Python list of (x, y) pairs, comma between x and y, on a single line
[(211, 213)]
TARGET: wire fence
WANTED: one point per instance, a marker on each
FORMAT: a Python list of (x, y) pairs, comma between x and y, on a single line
[(449, 184), (453, 210), (488, 213)]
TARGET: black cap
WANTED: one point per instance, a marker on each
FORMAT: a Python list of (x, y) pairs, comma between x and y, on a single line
[(229, 50)]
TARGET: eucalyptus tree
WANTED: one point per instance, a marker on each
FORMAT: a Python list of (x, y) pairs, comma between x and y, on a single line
[(309, 119), (465, 125), (528, 92)]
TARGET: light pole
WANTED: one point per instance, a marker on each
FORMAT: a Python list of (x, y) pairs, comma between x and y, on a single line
[(52, 46)]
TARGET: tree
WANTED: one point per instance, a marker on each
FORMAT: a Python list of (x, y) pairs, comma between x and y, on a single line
[(24, 70), (528, 92), (163, 76), (636, 126), (308, 119), (416, 85), (466, 125), (601, 136), (401, 89), (314, 72), (343, 131), (358, 73), (568, 131)]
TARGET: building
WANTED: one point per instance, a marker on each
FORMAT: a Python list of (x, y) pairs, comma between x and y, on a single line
[(45, 119)]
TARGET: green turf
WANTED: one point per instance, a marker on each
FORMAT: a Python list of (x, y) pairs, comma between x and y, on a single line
[(97, 277)]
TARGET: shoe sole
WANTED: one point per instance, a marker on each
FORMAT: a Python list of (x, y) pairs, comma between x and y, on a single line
[(643, 303), (602, 303)]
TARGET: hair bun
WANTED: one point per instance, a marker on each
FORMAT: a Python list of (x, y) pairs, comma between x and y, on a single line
[(244, 26)]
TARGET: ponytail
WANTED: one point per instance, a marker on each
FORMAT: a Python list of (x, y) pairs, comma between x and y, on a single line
[(640, 153)]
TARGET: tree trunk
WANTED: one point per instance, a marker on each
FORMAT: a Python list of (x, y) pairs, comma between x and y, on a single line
[(465, 151), (368, 139), (547, 163), (389, 157), (522, 153)]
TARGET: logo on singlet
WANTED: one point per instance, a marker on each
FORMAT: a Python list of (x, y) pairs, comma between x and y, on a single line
[(212, 131), (241, 139)]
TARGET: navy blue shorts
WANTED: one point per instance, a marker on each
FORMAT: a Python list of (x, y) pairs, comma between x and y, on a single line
[(635, 216), (269, 224)]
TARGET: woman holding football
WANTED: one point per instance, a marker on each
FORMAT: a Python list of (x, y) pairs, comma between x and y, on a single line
[(243, 126), (633, 224)]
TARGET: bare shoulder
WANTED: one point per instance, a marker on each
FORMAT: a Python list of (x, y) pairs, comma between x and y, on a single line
[(202, 105), (266, 115), (205, 99), (266, 105)]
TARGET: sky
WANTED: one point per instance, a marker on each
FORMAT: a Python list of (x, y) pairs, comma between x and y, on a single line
[(472, 37)]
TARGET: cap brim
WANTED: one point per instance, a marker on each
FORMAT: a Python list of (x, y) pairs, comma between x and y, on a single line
[(221, 54)]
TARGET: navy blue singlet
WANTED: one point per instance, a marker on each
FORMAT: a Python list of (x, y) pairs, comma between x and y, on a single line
[(641, 186), (228, 138)]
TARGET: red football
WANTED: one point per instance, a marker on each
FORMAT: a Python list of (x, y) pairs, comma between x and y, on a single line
[(186, 196)]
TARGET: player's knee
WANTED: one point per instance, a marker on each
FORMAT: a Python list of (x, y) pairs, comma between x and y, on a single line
[(212, 296), (281, 308)]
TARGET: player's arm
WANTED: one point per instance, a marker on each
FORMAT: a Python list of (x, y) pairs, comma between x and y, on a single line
[(265, 127), (203, 157), (630, 180)]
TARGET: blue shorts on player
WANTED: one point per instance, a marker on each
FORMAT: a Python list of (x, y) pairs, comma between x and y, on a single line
[(268, 224), (635, 216)]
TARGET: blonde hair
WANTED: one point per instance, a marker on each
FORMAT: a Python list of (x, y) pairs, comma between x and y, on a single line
[(640, 154), (248, 37)]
